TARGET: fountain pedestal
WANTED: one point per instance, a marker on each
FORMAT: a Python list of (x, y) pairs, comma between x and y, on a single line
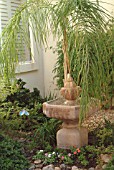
[(67, 137), (67, 109)]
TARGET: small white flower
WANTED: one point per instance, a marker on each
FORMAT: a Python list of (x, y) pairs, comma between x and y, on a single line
[(49, 155), (53, 153), (58, 156), (41, 151)]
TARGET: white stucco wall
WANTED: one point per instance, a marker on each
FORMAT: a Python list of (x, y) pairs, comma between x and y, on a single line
[(109, 5), (42, 78), (33, 73), (49, 62), (34, 78)]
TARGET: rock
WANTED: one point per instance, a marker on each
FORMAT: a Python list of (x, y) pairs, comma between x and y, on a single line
[(98, 167), (74, 168), (32, 167), (48, 167), (38, 161), (104, 166), (57, 168), (22, 140), (63, 166), (68, 168), (91, 168), (39, 165), (105, 158)]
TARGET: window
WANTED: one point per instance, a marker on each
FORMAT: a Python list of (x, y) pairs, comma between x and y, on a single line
[(7, 10)]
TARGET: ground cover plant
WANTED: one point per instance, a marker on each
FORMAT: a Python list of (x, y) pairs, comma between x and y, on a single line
[(11, 155)]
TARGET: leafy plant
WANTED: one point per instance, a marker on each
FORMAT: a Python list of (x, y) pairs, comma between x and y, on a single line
[(104, 136), (11, 155), (110, 165), (46, 132), (21, 98), (78, 156), (106, 94)]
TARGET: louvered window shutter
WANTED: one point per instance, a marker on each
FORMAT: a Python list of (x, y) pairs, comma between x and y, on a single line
[(7, 10)]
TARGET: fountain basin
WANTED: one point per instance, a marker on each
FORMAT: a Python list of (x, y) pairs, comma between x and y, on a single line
[(59, 110)]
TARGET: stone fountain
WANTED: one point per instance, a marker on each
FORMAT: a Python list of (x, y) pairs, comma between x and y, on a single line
[(67, 109)]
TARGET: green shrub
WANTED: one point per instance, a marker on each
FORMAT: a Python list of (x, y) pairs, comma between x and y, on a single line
[(110, 165), (43, 128), (11, 156), (22, 96), (46, 132), (103, 135)]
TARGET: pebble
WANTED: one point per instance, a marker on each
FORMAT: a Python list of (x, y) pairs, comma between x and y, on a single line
[(38, 161), (74, 168), (48, 167), (104, 166), (105, 158), (98, 167), (57, 168), (91, 168), (39, 166), (68, 167), (63, 166), (32, 167)]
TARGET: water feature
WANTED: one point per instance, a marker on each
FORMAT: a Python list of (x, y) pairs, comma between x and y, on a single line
[(67, 109)]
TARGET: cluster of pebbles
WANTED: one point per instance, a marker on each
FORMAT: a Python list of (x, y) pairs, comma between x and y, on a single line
[(98, 119), (37, 165)]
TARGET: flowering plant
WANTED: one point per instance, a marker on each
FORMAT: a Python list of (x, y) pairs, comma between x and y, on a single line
[(58, 156)]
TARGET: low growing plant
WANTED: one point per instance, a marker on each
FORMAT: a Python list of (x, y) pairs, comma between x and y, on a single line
[(110, 165), (11, 155), (72, 156)]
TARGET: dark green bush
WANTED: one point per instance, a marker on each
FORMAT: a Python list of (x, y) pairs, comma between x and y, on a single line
[(23, 97), (11, 155), (43, 128), (110, 165)]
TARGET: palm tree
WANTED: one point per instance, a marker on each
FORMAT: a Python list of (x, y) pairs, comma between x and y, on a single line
[(80, 24)]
